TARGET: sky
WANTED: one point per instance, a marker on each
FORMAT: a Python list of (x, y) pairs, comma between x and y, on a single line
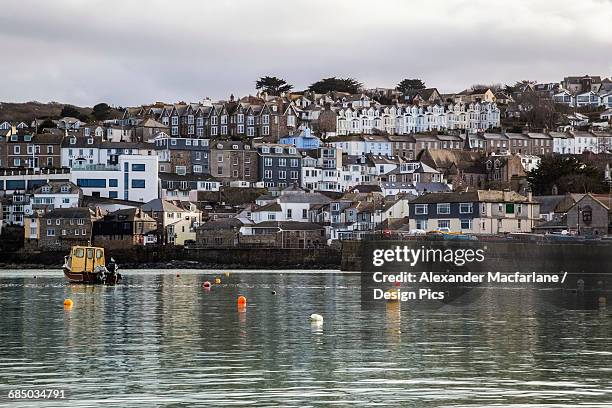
[(131, 52)]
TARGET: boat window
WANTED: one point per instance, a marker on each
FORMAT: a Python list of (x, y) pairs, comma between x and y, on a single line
[(89, 253), (99, 253), (79, 252)]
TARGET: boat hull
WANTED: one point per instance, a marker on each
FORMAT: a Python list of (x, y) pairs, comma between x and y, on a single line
[(91, 277)]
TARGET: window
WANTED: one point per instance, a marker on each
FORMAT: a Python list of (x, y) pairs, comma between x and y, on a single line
[(444, 208), (91, 183), (304, 213), (268, 174), (112, 194), (421, 224), (289, 213), (197, 169), (181, 170), (268, 161), (444, 224), (294, 163), (466, 224), (282, 174), (510, 208), (465, 208), (17, 149), (138, 183), (49, 149), (50, 232), (282, 162), (271, 216), (294, 175), (112, 182), (420, 209)]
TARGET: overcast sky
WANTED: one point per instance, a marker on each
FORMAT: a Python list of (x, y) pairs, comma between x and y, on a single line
[(130, 52)]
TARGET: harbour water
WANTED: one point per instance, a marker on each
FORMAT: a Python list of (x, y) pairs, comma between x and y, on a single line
[(160, 339)]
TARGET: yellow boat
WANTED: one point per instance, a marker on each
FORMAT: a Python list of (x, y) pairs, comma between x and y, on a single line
[(87, 264)]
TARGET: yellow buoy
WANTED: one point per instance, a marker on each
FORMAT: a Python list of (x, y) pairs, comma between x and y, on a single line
[(68, 303), (217, 281)]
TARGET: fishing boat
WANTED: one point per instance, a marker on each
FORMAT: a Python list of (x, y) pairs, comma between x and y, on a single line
[(87, 264)]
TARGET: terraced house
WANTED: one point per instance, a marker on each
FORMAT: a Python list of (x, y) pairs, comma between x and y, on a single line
[(477, 212)]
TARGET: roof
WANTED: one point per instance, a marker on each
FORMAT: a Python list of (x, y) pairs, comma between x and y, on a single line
[(269, 207), (55, 187), (159, 205), (471, 196), (288, 225), (222, 224), (78, 212), (367, 188)]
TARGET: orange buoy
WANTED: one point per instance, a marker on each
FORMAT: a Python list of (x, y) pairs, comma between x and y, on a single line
[(241, 300), (68, 303), (206, 285)]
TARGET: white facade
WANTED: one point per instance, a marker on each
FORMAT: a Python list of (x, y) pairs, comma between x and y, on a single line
[(415, 119), (134, 178)]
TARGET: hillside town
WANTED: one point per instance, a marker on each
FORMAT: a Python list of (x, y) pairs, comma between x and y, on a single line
[(306, 169)]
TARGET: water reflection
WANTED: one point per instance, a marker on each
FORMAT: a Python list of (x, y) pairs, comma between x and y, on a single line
[(161, 339)]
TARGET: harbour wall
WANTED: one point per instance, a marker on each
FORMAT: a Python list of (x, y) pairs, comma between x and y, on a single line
[(168, 257)]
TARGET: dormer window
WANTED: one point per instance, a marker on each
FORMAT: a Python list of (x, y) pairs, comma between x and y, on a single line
[(235, 147), (65, 189), (73, 140), (219, 146), (46, 189), (27, 138), (86, 130), (265, 149), (292, 150), (90, 140), (278, 150)]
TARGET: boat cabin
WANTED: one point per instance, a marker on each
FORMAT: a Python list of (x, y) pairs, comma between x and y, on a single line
[(86, 258)]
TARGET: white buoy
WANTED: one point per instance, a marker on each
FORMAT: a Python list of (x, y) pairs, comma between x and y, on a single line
[(316, 318)]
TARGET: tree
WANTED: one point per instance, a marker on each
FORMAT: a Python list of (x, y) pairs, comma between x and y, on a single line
[(72, 111), (407, 86), (102, 111), (349, 85), (46, 124), (272, 85), (567, 173)]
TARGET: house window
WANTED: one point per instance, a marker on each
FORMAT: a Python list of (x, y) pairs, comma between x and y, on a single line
[(420, 209), (181, 170), (444, 224), (268, 161), (465, 208), (138, 167), (138, 183), (282, 174), (294, 175), (268, 174), (197, 169), (304, 213), (50, 232), (289, 212), (466, 224), (421, 224), (444, 208)]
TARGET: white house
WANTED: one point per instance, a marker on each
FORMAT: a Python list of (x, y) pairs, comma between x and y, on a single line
[(56, 194), (133, 178)]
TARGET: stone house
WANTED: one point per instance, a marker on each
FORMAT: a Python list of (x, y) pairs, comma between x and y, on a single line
[(233, 161), (62, 228), (222, 233), (589, 216), (125, 228)]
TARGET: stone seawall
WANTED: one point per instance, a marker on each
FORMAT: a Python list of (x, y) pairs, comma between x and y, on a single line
[(141, 258)]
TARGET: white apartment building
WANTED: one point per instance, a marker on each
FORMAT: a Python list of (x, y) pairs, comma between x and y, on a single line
[(133, 178)]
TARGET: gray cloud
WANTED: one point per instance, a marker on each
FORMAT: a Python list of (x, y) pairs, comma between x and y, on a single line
[(133, 52)]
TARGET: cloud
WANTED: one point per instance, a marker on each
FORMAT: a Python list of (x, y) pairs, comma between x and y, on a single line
[(133, 52)]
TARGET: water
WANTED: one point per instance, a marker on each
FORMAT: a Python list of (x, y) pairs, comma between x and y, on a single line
[(161, 340)]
